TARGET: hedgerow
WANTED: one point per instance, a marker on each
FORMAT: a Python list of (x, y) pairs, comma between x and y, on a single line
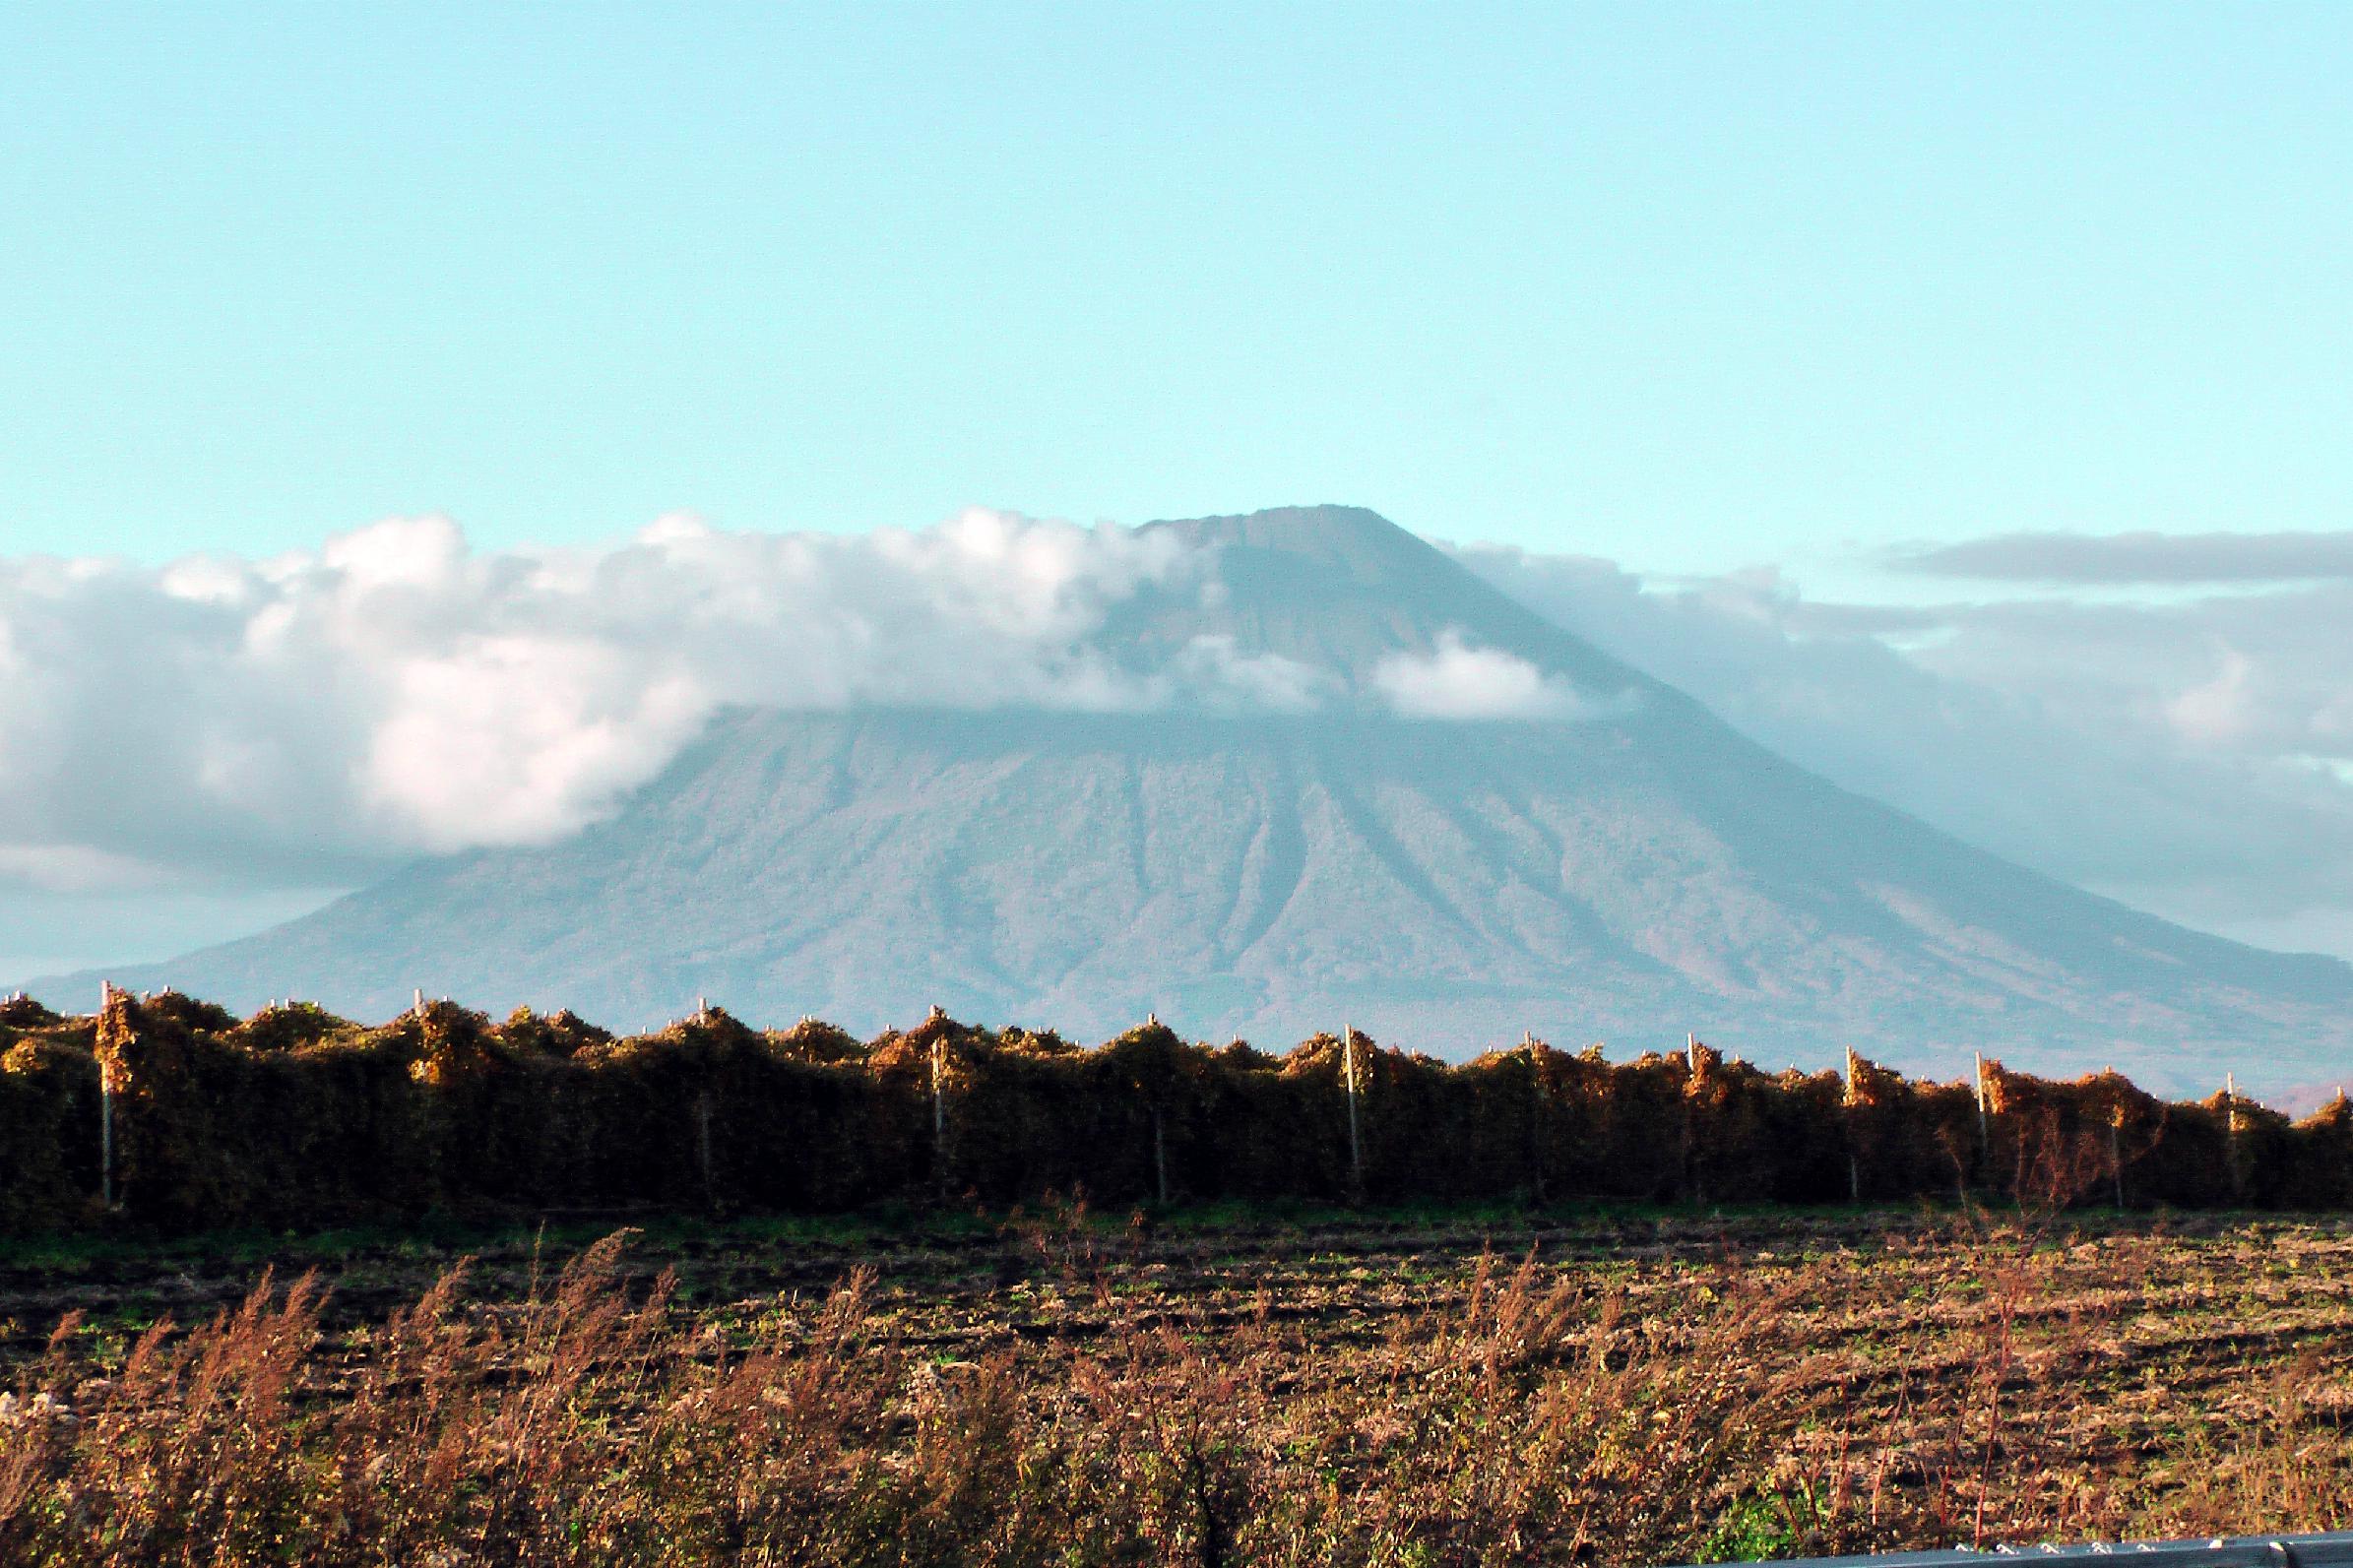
[(174, 1114)]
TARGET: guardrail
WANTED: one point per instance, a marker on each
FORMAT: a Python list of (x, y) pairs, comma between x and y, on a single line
[(2333, 1549)]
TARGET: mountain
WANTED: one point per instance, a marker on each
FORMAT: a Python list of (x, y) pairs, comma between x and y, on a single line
[(1617, 865)]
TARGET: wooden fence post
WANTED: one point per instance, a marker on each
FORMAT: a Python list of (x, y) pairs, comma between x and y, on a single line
[(2116, 1144), (2230, 1148), (939, 1125), (1694, 1190), (1356, 1145), (1160, 1140), (1854, 1171), (1537, 1102), (105, 1108), (1985, 1121)]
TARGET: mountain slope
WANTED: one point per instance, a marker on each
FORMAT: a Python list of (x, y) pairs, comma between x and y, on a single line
[(1444, 883)]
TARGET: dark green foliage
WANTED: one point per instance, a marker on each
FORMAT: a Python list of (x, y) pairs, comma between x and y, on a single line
[(296, 1117)]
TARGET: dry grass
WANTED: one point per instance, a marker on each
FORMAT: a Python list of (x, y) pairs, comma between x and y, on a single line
[(1076, 1395)]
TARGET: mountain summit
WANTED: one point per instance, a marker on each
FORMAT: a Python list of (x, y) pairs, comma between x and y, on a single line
[(1467, 822), (1342, 589)]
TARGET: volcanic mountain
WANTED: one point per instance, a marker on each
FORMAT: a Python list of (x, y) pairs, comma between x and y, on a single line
[(1597, 857)]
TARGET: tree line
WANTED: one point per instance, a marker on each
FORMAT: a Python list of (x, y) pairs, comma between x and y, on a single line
[(168, 1113)]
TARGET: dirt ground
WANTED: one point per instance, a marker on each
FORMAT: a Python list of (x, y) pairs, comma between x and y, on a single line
[(1922, 1378)]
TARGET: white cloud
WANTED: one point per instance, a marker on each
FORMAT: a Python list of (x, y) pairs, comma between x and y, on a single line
[(2217, 712), (1228, 678), (1455, 680), (308, 717)]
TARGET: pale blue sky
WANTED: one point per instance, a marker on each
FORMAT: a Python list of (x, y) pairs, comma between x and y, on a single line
[(1688, 287)]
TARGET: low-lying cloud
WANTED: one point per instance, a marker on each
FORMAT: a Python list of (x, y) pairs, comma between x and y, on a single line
[(395, 691), (1457, 681), (2139, 559)]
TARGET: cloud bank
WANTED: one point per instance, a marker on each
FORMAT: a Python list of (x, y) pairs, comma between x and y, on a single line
[(395, 691), (2139, 559), (2190, 754)]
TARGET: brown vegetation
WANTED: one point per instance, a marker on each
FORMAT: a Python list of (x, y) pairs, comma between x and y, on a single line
[(1364, 1393), (295, 1117)]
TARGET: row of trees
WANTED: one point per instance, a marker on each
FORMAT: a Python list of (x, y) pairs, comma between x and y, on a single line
[(175, 1114)]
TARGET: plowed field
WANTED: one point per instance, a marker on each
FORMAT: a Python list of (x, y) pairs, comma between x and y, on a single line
[(1449, 1386)]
